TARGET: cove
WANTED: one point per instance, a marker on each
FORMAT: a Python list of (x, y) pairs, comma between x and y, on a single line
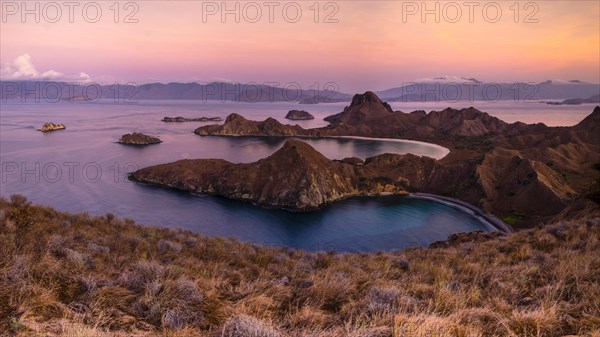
[(357, 224)]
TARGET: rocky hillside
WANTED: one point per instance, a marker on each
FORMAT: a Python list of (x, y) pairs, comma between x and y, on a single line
[(525, 173), (79, 275), (296, 177), (236, 125), (368, 116)]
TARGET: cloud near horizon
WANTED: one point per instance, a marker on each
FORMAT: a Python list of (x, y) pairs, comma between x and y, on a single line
[(22, 68)]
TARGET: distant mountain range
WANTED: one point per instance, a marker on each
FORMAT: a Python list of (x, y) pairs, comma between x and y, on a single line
[(216, 91), (442, 89), (577, 101)]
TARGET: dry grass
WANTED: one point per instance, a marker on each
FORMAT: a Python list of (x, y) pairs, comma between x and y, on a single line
[(76, 275)]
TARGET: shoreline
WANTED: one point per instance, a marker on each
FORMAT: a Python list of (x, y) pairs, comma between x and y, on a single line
[(489, 219), (396, 140), (446, 151)]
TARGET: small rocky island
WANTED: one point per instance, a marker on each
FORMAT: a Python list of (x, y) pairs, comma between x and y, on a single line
[(180, 119), (299, 115), (578, 101), (137, 138), (52, 127)]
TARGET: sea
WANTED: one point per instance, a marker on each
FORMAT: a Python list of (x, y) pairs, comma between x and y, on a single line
[(84, 169)]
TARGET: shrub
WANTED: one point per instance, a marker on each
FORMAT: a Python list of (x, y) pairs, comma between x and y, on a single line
[(187, 290), (141, 274), (110, 217), (93, 248), (18, 200), (168, 246), (383, 300), (173, 319), (401, 263), (246, 326)]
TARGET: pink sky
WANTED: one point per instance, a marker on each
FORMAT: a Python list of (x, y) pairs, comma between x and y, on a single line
[(374, 45)]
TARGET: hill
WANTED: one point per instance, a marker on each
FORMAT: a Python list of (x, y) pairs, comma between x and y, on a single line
[(76, 275)]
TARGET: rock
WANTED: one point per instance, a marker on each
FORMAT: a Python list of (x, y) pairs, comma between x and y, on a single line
[(284, 281), (183, 119), (299, 115), (137, 138), (52, 127)]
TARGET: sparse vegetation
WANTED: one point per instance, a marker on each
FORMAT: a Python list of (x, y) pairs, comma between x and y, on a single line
[(78, 275), (483, 143), (594, 191)]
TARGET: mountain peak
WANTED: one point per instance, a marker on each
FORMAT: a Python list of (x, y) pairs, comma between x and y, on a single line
[(294, 151), (233, 117), (368, 97), (591, 122)]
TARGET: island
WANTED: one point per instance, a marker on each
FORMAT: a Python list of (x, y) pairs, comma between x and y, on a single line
[(523, 173), (137, 138), (180, 119), (578, 101), (299, 115), (47, 127), (296, 177)]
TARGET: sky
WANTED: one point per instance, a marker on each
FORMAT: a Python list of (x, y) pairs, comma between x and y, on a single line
[(357, 45)]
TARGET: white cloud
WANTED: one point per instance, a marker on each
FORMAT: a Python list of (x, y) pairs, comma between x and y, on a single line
[(51, 75), (22, 68), (84, 77), (222, 79)]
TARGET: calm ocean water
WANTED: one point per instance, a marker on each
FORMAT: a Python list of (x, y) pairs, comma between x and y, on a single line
[(83, 169)]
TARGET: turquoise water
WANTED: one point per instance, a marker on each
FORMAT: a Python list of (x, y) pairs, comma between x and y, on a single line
[(83, 169)]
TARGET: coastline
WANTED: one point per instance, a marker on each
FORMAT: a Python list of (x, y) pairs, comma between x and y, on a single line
[(444, 150), (489, 219), (397, 140)]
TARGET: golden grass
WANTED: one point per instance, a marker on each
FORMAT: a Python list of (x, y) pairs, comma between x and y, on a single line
[(77, 275)]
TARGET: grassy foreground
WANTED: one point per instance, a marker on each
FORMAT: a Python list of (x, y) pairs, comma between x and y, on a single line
[(77, 275)]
